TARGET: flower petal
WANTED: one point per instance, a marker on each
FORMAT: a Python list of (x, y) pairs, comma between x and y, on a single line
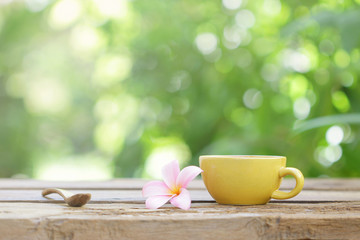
[(155, 202), (170, 172), (155, 188), (183, 200), (187, 175)]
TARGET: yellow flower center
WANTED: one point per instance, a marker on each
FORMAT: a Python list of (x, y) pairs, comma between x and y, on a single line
[(176, 190)]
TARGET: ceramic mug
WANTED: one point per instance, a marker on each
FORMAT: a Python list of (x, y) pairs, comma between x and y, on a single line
[(247, 180)]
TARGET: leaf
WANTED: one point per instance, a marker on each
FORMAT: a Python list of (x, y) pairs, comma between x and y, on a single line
[(347, 23), (324, 18), (352, 118)]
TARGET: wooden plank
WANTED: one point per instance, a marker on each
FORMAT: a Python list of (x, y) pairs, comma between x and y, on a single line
[(118, 184), (344, 184), (202, 221), (326, 209), (110, 184), (97, 196), (113, 196)]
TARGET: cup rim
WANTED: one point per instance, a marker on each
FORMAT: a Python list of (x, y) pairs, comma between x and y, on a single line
[(243, 156)]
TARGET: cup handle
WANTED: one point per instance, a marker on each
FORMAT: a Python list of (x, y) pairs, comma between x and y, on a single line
[(299, 183)]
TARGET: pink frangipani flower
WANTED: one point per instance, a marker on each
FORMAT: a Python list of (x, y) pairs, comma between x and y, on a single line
[(172, 189)]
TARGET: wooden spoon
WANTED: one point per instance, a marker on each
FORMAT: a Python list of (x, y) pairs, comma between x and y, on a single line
[(73, 200)]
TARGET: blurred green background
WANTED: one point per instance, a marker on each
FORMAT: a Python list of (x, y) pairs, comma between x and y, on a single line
[(114, 88)]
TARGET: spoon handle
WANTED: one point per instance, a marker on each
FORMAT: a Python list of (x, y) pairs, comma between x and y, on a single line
[(65, 194)]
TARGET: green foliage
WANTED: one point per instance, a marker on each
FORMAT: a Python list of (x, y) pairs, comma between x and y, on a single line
[(125, 86)]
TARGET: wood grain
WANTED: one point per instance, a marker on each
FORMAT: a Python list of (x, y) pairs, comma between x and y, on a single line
[(325, 209), (117, 184), (202, 221), (126, 196)]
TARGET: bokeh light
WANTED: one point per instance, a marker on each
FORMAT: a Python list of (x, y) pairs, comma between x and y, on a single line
[(166, 151), (245, 19), (253, 98), (302, 108), (46, 96), (112, 8), (232, 4), (206, 42), (329, 155), (64, 13), (104, 88), (334, 135)]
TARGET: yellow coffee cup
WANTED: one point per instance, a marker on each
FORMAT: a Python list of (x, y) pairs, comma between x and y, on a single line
[(246, 180)]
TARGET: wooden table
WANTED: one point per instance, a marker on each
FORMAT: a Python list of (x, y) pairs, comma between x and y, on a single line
[(325, 209)]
